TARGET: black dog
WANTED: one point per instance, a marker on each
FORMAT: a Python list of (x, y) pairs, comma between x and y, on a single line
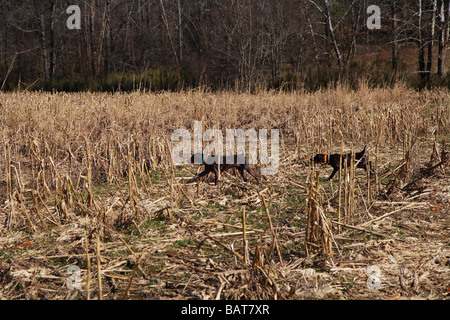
[(334, 160), (240, 162)]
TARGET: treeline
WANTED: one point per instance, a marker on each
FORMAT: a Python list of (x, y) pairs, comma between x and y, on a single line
[(221, 44)]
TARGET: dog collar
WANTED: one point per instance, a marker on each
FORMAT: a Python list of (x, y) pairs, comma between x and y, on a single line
[(325, 161), (205, 157)]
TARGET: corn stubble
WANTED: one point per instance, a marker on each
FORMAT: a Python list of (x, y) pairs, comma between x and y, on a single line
[(104, 160)]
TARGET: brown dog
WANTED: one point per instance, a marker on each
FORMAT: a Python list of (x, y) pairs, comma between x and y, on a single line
[(334, 160), (240, 162)]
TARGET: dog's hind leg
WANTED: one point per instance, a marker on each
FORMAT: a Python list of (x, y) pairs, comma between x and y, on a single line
[(249, 170), (204, 173), (241, 171)]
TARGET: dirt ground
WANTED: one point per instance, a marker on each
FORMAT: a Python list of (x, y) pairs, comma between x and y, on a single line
[(397, 246)]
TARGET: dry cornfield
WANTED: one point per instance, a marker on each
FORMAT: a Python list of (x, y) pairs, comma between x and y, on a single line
[(87, 181)]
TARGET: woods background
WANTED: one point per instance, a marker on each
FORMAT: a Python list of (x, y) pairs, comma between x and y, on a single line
[(221, 44)]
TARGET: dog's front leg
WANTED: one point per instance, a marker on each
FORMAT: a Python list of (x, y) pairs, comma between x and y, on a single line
[(216, 175), (333, 173)]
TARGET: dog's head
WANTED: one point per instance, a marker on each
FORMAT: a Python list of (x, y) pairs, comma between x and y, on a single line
[(197, 158), (201, 158)]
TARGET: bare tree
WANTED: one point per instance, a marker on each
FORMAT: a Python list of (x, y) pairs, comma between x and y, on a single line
[(44, 13), (395, 45), (276, 32), (444, 33), (421, 39), (432, 29), (169, 33), (347, 37), (180, 30), (224, 43), (326, 13), (356, 8)]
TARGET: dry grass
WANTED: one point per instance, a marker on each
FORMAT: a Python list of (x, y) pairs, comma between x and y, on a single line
[(87, 180)]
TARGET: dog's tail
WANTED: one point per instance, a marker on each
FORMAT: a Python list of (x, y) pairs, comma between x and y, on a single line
[(360, 154)]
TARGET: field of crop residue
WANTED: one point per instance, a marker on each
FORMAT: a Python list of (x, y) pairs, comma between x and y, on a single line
[(92, 206)]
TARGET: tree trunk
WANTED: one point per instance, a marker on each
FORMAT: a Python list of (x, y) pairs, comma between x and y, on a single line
[(420, 43), (91, 47), (42, 34), (166, 22), (431, 41), (395, 55), (444, 28), (356, 17), (108, 40), (180, 32), (333, 37), (44, 48), (103, 38)]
